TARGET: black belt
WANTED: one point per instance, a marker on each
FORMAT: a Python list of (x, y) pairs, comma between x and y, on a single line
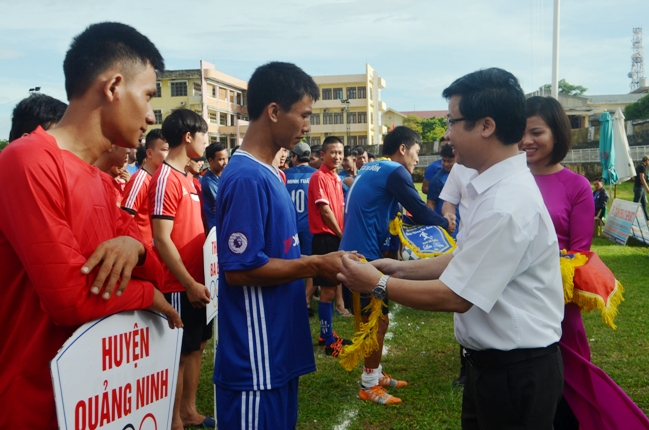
[(490, 358)]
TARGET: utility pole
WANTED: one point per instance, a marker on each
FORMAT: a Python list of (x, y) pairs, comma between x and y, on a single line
[(555, 53)]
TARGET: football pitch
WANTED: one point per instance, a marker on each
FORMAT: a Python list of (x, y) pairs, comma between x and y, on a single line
[(422, 350)]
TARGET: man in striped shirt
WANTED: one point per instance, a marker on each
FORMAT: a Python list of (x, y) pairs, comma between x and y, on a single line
[(135, 199), (178, 237)]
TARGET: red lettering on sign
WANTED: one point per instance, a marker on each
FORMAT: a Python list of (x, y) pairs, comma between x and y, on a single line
[(214, 247), (124, 347)]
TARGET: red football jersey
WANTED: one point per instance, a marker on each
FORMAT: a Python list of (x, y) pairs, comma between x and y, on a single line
[(325, 187), (172, 196), (55, 209), (136, 202)]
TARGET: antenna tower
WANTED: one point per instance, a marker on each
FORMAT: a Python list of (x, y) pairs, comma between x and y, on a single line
[(637, 59)]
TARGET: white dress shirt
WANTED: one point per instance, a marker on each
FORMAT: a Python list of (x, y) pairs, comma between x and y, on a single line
[(455, 191), (507, 263)]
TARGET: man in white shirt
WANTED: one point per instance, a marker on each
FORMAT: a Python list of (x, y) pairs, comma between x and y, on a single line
[(503, 281)]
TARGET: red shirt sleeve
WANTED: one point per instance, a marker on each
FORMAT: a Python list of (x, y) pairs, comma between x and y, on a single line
[(165, 194), (41, 234), (134, 193)]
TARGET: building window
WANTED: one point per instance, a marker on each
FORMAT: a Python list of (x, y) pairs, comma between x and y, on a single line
[(362, 92), (233, 121), (326, 94), (338, 118), (178, 89), (351, 92), (351, 118), (362, 117), (213, 117), (351, 141), (223, 120), (223, 94), (158, 89), (239, 99), (314, 141), (327, 118), (338, 93), (213, 91), (213, 138), (157, 113), (315, 119), (197, 89), (362, 140), (224, 140)]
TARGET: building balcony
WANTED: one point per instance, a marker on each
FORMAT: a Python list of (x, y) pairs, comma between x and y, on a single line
[(337, 104)]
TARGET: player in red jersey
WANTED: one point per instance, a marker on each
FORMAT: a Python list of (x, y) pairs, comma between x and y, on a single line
[(178, 237), (64, 244), (136, 194)]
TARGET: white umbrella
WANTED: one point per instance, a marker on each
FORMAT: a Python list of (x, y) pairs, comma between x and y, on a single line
[(623, 162)]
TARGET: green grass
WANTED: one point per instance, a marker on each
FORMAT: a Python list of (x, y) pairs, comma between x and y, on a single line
[(423, 351)]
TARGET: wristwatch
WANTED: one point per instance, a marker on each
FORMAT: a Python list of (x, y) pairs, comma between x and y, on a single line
[(380, 291)]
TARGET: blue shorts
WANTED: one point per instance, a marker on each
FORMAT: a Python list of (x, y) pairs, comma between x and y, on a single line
[(263, 409), (305, 242)]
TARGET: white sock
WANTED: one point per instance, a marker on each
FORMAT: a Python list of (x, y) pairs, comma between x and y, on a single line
[(370, 377)]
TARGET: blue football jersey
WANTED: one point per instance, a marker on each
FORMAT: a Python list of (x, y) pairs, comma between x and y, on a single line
[(374, 199), (264, 334)]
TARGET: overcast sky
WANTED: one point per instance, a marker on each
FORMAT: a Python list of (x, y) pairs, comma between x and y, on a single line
[(418, 46)]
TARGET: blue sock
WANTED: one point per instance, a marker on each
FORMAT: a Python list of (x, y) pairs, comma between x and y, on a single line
[(324, 313)]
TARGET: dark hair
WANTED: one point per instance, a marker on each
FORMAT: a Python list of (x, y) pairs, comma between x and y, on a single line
[(370, 156), (234, 150), (37, 109), (645, 158), (151, 137), (140, 154), (493, 93), (182, 121), (399, 135), (330, 140), (447, 151), (100, 47), (315, 150), (213, 148), (555, 117), (281, 83), (347, 151), (358, 150), (598, 179)]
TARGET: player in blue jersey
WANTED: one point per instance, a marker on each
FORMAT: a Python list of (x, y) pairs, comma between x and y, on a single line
[(264, 334), (372, 201), (297, 184)]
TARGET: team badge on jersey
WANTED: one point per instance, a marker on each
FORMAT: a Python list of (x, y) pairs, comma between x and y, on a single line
[(238, 242)]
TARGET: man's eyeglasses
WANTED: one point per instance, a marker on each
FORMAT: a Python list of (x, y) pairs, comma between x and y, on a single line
[(450, 122)]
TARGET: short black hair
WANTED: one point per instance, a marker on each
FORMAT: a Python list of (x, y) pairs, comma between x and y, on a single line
[(281, 83), (358, 150), (551, 112), (101, 46), (330, 140), (182, 121), (315, 150), (399, 135), (151, 137), (37, 109), (213, 148), (347, 151), (140, 154), (493, 93), (447, 151), (598, 179)]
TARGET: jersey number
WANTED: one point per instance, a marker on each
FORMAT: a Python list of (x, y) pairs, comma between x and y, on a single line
[(298, 200)]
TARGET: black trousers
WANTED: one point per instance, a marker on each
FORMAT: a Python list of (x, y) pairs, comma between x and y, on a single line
[(519, 395)]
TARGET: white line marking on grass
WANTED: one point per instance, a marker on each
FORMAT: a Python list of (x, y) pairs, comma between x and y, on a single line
[(349, 417)]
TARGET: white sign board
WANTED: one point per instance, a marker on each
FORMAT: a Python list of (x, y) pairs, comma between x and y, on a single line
[(118, 372), (211, 268), (626, 219)]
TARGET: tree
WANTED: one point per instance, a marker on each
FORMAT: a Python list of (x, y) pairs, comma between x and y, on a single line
[(565, 88), (3, 143), (413, 122), (637, 110), (432, 129)]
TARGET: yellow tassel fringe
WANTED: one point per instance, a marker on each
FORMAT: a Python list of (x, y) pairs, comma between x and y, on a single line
[(396, 229), (364, 341)]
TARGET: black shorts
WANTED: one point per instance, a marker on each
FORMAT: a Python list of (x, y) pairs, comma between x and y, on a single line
[(195, 330), (324, 244)]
